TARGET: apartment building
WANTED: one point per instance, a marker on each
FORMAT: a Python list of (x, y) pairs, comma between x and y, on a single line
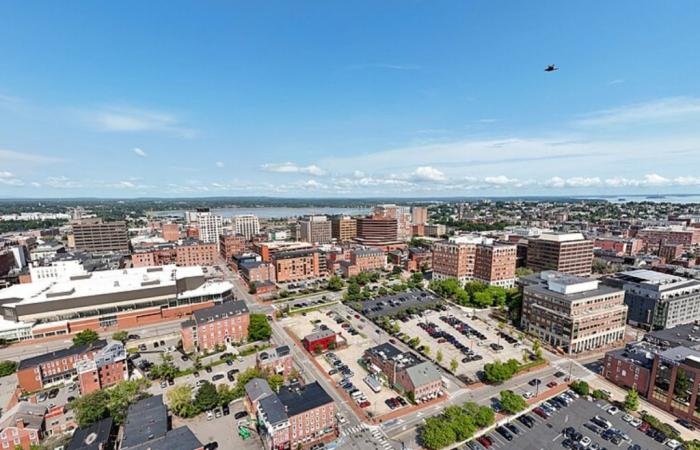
[(573, 313), (657, 300), (568, 253), (267, 250), (190, 252), (295, 417), (257, 272), (231, 244), (210, 225), (419, 215), (474, 257), (654, 237), (170, 232), (494, 264), (415, 377), (246, 225), (96, 236), (297, 265), (107, 368), (315, 230), (60, 366), (221, 324), (343, 228), (22, 426), (454, 259)]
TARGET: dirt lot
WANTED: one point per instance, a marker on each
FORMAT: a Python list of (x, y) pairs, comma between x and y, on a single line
[(449, 351), (350, 354)]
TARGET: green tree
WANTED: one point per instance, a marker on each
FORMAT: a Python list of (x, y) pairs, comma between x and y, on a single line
[(498, 372), (523, 272), (206, 397), (91, 408), (396, 270), (453, 365), (482, 299), (124, 394), (165, 370), (120, 336), (259, 328), (7, 368), (463, 426), (512, 402), (85, 337), (275, 381), (580, 387), (439, 356), (253, 288), (632, 400), (180, 401), (226, 394), (335, 283), (435, 435), (537, 349), (416, 279)]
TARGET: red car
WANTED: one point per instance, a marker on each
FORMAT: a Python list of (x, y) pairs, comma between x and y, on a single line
[(540, 412), (486, 441), (364, 404), (644, 427), (551, 384)]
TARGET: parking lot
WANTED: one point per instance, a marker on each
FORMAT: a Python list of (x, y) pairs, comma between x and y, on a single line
[(222, 430), (475, 352), (549, 433), (366, 336)]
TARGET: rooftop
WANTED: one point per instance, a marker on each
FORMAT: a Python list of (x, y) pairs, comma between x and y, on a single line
[(180, 438), (92, 437), (561, 237), (59, 354), (220, 311), (146, 420), (686, 335)]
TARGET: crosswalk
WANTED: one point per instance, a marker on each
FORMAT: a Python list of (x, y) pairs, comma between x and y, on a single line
[(377, 435)]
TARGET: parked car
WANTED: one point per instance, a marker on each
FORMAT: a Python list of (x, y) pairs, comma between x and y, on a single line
[(240, 415), (217, 377)]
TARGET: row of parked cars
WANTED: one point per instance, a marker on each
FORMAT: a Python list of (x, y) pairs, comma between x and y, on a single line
[(443, 336)]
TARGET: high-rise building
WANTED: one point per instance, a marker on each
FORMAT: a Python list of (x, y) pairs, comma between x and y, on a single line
[(96, 236), (419, 215), (343, 228), (315, 229), (474, 257), (247, 225), (569, 253), (573, 313), (377, 232), (402, 215), (231, 244), (209, 225)]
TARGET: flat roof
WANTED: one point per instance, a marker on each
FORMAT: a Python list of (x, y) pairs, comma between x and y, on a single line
[(181, 438), (299, 399), (572, 297), (561, 237)]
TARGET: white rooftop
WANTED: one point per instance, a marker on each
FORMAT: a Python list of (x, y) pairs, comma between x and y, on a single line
[(653, 277), (562, 237)]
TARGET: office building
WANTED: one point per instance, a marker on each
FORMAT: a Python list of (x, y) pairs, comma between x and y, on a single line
[(562, 252), (295, 417), (256, 272), (297, 265), (343, 228), (319, 341), (246, 225), (657, 300), (315, 230), (185, 253), (630, 367), (494, 263), (368, 259), (96, 236), (402, 215), (267, 250), (223, 324), (108, 299), (654, 237), (572, 313), (378, 232), (674, 386), (231, 244)]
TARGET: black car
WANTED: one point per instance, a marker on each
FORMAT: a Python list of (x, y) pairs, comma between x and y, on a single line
[(568, 431), (534, 382), (512, 428), (53, 393), (225, 410), (207, 369), (211, 446), (686, 424), (217, 377), (505, 433), (527, 421), (240, 415)]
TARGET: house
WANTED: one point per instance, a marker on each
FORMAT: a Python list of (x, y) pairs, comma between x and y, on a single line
[(22, 426), (276, 361), (97, 436), (323, 340)]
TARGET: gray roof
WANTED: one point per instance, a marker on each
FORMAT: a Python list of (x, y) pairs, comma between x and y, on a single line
[(298, 400), (226, 309), (680, 354), (423, 373), (687, 335), (273, 409), (60, 354), (93, 437), (146, 420), (31, 414), (257, 388), (178, 439), (319, 335)]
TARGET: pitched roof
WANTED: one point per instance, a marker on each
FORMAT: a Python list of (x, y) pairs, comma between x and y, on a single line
[(257, 388), (180, 438), (59, 354), (32, 415), (423, 373), (146, 420), (92, 437)]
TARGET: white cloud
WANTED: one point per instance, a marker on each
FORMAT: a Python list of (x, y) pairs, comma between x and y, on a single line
[(427, 173), (219, 164), (501, 180), (128, 119), (62, 182), (9, 179), (661, 110), (140, 152), (289, 167), (11, 156), (559, 182), (655, 180)]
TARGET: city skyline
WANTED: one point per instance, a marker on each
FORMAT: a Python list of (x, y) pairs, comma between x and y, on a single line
[(337, 100)]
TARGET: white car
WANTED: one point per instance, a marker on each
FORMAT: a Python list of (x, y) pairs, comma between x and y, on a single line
[(199, 383), (627, 418), (572, 394), (340, 417), (585, 442), (635, 422), (528, 395), (613, 410), (672, 444)]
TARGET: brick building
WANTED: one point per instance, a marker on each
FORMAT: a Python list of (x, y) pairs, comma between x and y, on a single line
[(368, 259), (474, 257), (171, 232), (619, 246), (257, 272), (320, 340), (494, 264), (315, 229), (295, 417), (654, 237), (297, 265), (630, 367), (405, 371), (221, 324), (275, 361), (563, 252), (187, 253), (96, 236), (419, 258), (60, 366), (231, 244), (378, 232), (22, 426), (107, 368), (343, 228)]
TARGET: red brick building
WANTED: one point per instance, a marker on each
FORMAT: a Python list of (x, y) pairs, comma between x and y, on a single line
[(107, 368), (38, 372), (22, 426), (187, 253), (320, 340), (171, 232), (653, 237), (494, 264), (297, 265), (619, 246), (221, 324), (231, 244), (257, 272), (368, 259), (629, 367), (276, 361)]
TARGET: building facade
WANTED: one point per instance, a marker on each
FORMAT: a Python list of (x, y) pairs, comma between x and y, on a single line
[(343, 228), (315, 230), (276, 361), (494, 264), (210, 225), (231, 244), (246, 225), (296, 265), (320, 341), (368, 259), (568, 253), (574, 314), (222, 324), (96, 236), (170, 232), (107, 368)]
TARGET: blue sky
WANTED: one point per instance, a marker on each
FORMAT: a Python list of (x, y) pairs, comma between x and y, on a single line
[(405, 98)]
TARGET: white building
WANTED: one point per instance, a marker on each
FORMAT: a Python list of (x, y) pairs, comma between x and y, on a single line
[(210, 225), (248, 225), (57, 270)]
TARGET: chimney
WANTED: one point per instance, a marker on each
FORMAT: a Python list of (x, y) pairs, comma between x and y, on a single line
[(19, 423)]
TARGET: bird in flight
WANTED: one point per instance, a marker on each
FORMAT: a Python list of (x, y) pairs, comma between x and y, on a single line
[(551, 68)]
